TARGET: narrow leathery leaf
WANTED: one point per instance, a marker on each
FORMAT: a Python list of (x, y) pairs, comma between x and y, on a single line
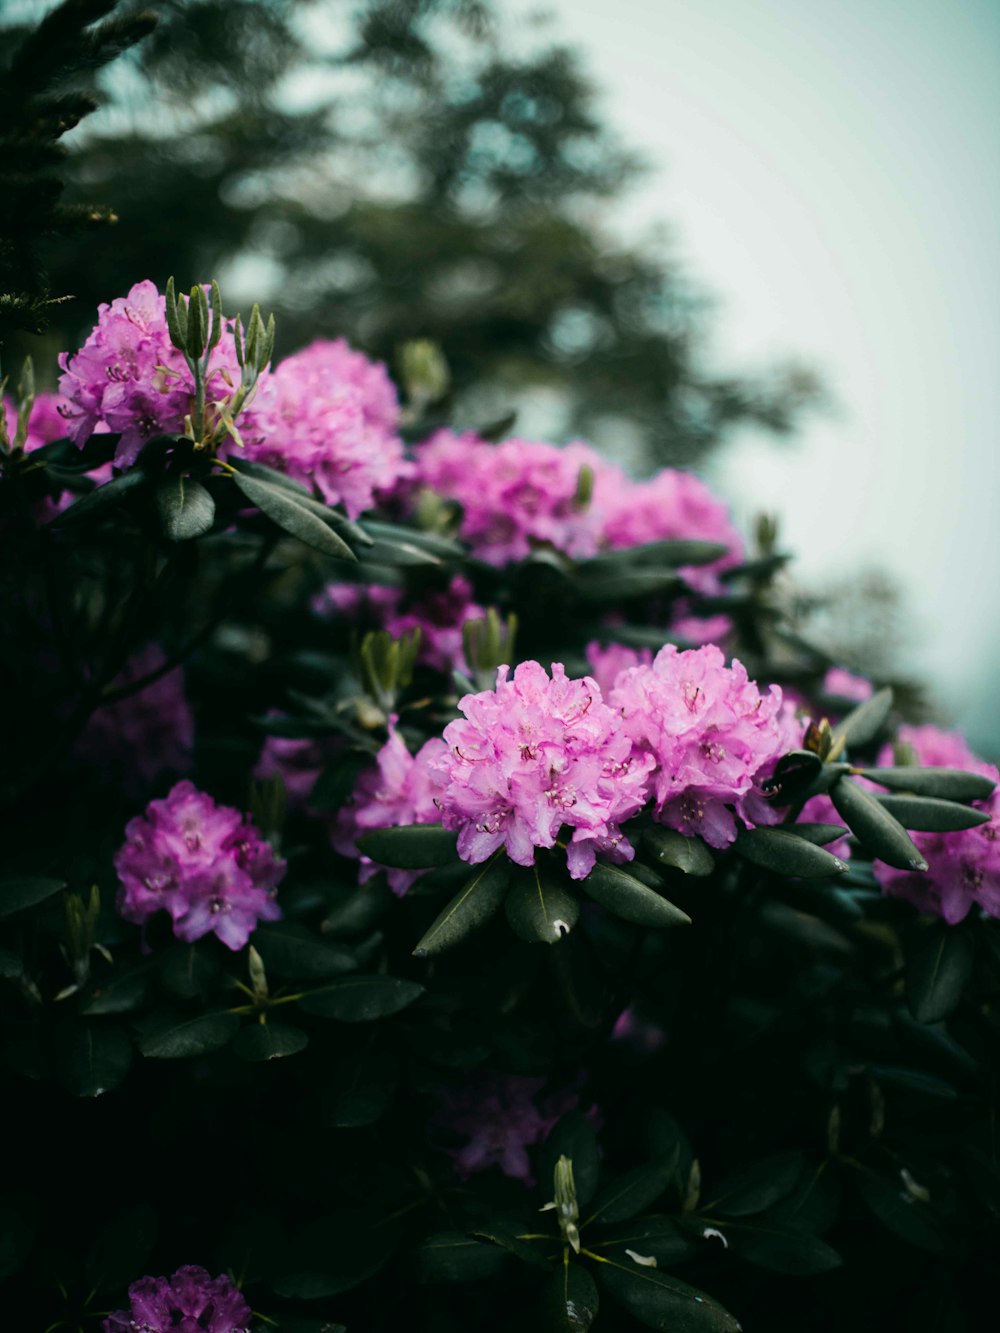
[(570, 1301), (635, 1190), (96, 1060), (292, 516), (624, 895), (176, 317), (673, 849), (869, 821), (100, 502), (658, 1236), (819, 834), (863, 723), (401, 552), (185, 508), (362, 999), (348, 529), (950, 784), (910, 1218), (455, 1256), (572, 1137), (661, 1301), (193, 1036), (18, 892), (672, 554), (628, 585), (756, 569), (779, 1249), (507, 1240), (474, 904), (540, 910), (121, 1249), (290, 950), (930, 814), (409, 846), (937, 971), (781, 850), (432, 542), (269, 1041), (197, 323), (216, 304), (121, 995), (756, 1186)]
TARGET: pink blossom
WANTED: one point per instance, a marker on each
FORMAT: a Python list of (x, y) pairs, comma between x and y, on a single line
[(331, 420), (46, 421), (130, 377), (298, 762), (963, 867), (400, 789), (609, 660), (533, 756), (712, 737), (203, 863), (515, 496), (841, 684), (191, 1301)]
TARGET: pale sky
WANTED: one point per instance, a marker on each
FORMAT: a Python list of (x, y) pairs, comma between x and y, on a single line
[(831, 171)]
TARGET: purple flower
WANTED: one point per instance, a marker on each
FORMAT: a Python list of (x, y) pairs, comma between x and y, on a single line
[(203, 863), (298, 761), (129, 377), (841, 684), (964, 867), (609, 660), (536, 755), (188, 1302), (331, 419), (712, 738), (516, 495), (401, 789), (639, 1034), (500, 1118), (147, 734)]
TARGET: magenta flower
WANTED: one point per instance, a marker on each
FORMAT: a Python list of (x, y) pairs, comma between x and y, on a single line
[(964, 867), (532, 757), (46, 421), (145, 735), (401, 789), (188, 1302), (609, 660), (129, 377), (331, 420), (841, 684), (500, 1118), (515, 496), (203, 863), (712, 738), (298, 761)]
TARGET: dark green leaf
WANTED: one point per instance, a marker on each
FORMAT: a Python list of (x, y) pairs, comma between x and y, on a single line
[(442, 548), (779, 1249), (476, 902), (540, 910), (290, 950), (937, 971), (673, 554), (362, 999), (352, 532), (662, 1301), (812, 1205), (334, 1254), (11, 964), (506, 1239), (95, 1060), (98, 503), (909, 1218), (453, 1256), (863, 723), (872, 824), (193, 1036), (781, 850), (189, 970), (17, 1233), (675, 850), (793, 773), (950, 784), (570, 1301), (20, 891), (121, 1250), (930, 814), (121, 994), (269, 1041), (409, 846), (635, 1190), (820, 834), (186, 510), (572, 1137), (627, 585), (293, 516), (656, 1237), (627, 897), (754, 1187), (361, 1091)]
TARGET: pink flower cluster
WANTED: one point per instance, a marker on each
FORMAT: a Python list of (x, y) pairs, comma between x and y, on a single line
[(45, 423), (401, 789), (501, 1117), (710, 735), (532, 757), (203, 863), (191, 1301), (964, 867), (129, 377), (330, 418)]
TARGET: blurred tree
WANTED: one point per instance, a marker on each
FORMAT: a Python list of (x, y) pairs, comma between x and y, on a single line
[(402, 169)]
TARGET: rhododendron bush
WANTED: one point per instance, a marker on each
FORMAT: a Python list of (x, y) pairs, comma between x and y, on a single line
[(445, 886)]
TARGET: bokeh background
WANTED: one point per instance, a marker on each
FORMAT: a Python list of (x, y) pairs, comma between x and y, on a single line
[(755, 237)]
